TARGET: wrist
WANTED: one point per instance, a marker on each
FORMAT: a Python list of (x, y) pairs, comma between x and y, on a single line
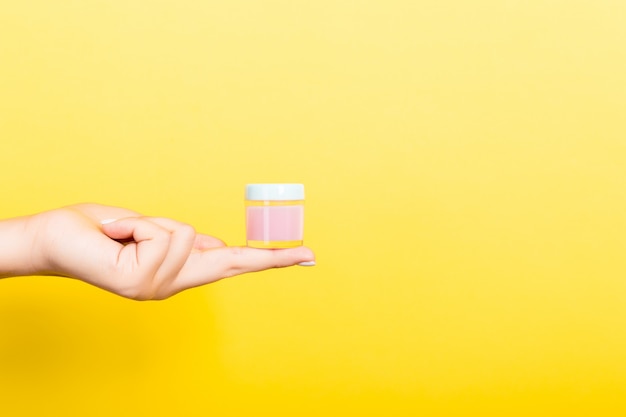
[(20, 252), (35, 230)]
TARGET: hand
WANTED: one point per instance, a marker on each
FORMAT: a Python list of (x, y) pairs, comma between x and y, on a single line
[(139, 257)]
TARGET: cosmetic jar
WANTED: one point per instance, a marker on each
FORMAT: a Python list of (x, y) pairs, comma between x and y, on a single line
[(274, 215)]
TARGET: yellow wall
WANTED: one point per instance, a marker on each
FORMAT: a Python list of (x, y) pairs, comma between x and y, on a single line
[(465, 165)]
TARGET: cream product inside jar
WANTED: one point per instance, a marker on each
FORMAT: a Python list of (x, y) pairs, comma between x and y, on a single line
[(274, 215)]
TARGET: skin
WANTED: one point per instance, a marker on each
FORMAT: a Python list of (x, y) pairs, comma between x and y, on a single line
[(121, 251)]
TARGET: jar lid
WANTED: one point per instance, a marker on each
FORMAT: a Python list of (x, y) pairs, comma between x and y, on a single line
[(280, 192)]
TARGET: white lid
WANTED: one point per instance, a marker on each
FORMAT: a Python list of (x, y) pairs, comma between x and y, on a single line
[(280, 192)]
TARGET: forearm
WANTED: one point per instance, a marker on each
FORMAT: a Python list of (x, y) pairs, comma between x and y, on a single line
[(18, 247)]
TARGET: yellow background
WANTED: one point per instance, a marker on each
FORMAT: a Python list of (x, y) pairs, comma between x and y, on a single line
[(465, 167)]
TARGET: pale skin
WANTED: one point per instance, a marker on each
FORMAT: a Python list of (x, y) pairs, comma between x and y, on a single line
[(124, 252)]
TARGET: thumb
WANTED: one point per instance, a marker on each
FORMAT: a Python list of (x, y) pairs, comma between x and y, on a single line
[(114, 232)]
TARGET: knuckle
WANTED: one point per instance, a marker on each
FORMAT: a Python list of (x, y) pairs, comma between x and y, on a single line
[(236, 251), (232, 263), (160, 296), (134, 293), (229, 273), (187, 231), (163, 236), (136, 286)]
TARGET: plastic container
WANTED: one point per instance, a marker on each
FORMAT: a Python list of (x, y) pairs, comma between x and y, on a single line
[(274, 215)]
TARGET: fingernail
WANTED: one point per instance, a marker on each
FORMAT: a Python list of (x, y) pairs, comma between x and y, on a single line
[(307, 263), (107, 221)]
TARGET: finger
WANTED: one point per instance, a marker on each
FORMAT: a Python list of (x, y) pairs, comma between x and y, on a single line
[(201, 242), (236, 260), (212, 265), (182, 238), (204, 242), (141, 258)]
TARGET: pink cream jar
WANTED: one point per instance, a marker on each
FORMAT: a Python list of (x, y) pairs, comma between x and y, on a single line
[(274, 215)]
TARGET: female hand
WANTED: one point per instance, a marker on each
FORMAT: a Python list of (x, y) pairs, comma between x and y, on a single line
[(135, 256)]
